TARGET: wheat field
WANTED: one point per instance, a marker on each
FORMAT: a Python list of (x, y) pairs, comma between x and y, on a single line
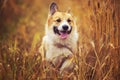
[(22, 24)]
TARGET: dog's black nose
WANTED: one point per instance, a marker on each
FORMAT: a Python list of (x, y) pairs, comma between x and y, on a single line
[(65, 27)]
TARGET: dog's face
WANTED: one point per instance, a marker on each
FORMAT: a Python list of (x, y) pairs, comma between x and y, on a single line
[(61, 23)]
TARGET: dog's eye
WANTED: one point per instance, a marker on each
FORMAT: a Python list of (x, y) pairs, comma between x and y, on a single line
[(68, 20), (58, 20)]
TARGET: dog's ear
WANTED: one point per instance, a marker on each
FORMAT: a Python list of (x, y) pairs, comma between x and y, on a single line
[(53, 8), (69, 10)]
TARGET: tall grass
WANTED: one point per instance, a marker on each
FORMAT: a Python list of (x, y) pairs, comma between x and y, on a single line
[(95, 63), (98, 52)]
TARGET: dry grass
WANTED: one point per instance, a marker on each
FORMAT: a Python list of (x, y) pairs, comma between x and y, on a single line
[(98, 49), (92, 64)]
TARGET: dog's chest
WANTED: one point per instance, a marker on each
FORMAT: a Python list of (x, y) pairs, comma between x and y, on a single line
[(55, 50)]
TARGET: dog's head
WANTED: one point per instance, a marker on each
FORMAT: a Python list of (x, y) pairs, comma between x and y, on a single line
[(61, 23)]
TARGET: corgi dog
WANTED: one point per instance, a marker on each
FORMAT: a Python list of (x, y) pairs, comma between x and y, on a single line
[(60, 38)]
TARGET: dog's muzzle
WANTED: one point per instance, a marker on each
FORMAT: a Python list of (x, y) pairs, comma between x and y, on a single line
[(62, 33)]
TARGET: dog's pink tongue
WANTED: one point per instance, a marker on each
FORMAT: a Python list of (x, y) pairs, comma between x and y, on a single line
[(63, 35)]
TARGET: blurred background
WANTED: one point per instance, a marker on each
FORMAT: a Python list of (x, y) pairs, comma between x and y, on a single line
[(23, 21)]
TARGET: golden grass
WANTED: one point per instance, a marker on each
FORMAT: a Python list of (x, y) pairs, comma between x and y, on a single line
[(98, 49), (27, 65)]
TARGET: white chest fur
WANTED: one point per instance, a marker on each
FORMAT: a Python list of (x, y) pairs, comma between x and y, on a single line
[(55, 47)]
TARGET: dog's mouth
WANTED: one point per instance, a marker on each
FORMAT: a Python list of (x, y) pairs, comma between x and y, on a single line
[(63, 34)]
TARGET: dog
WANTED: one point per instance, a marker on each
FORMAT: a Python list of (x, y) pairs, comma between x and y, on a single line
[(60, 38)]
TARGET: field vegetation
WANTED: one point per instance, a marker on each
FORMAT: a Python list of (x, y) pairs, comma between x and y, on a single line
[(22, 24)]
